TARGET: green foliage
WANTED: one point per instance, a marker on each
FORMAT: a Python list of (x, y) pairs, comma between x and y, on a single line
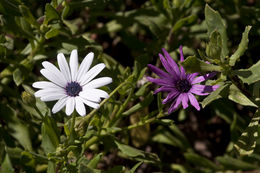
[(130, 131)]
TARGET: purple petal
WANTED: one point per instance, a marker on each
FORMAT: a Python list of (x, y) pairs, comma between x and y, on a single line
[(203, 78), (171, 62), (185, 100), (181, 52), (159, 81), (183, 72), (175, 104), (170, 96), (163, 88), (205, 88), (191, 76), (194, 101), (197, 92), (158, 71)]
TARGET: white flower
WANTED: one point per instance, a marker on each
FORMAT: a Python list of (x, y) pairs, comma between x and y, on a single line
[(72, 85)]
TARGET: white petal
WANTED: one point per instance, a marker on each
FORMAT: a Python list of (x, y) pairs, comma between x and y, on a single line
[(53, 78), (80, 108), (100, 93), (99, 82), (64, 67), (52, 97), (74, 64), (53, 69), (59, 105), (84, 66), (90, 103), (44, 84), (89, 96), (93, 72), (49, 91), (70, 104)]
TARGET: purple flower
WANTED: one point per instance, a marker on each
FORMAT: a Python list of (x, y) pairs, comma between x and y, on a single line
[(180, 86)]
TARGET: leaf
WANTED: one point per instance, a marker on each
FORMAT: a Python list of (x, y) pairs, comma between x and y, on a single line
[(247, 141), (238, 97), (148, 22), (51, 33), (213, 48), (18, 76), (50, 140), (222, 91), (215, 23), (235, 164), (116, 169), (93, 162), (50, 14), (6, 166), (250, 75), (135, 167), (241, 48), (147, 100), (193, 64), (28, 15), (137, 154), (201, 161), (184, 21)]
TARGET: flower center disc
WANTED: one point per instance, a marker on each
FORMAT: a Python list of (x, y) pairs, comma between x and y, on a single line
[(73, 89), (183, 85)]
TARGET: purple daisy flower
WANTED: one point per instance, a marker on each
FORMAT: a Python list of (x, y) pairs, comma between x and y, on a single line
[(180, 85)]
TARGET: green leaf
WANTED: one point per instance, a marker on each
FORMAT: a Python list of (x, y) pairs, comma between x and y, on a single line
[(201, 161), (51, 33), (18, 76), (238, 97), (28, 15), (241, 48), (184, 21), (6, 166), (147, 100), (213, 48), (135, 167), (116, 169), (50, 140), (93, 162), (51, 167), (151, 24), (247, 141), (222, 91), (50, 14), (215, 23), (193, 64), (235, 164), (250, 75)]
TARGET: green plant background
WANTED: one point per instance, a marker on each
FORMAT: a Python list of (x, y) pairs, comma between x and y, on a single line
[(131, 132)]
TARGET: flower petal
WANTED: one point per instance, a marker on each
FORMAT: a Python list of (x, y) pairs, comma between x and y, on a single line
[(203, 78), (84, 66), (90, 103), (80, 108), (160, 81), (74, 64), (64, 67), (59, 105), (171, 62), (70, 104), (183, 72), (163, 88), (175, 104), (93, 72), (158, 71), (53, 69), (185, 100), (87, 94), (205, 88), (49, 91), (45, 84), (194, 101), (52, 97), (99, 82), (53, 77), (172, 95), (168, 67)]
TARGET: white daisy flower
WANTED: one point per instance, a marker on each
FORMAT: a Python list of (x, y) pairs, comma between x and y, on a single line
[(72, 85)]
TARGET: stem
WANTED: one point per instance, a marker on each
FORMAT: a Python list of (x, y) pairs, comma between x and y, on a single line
[(38, 111), (91, 141)]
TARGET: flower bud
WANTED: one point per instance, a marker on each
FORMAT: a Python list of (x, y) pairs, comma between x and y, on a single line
[(28, 98)]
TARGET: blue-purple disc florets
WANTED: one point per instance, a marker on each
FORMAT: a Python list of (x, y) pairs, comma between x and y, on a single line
[(73, 89), (183, 85)]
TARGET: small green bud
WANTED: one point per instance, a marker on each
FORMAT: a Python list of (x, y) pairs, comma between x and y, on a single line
[(213, 48), (28, 98)]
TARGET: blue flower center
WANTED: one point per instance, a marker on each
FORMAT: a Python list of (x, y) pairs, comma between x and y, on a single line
[(73, 89), (183, 85)]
